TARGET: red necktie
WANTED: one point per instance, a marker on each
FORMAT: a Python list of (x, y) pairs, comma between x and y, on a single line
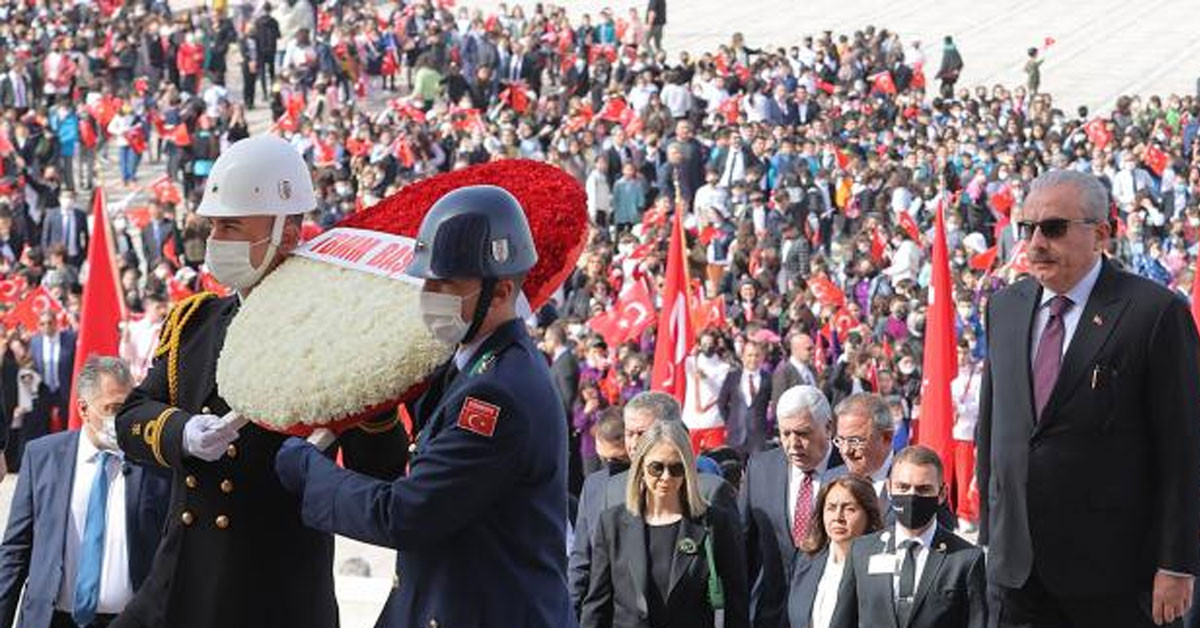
[(803, 514)]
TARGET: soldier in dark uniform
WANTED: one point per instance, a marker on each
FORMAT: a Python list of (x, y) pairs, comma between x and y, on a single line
[(480, 520), (234, 552)]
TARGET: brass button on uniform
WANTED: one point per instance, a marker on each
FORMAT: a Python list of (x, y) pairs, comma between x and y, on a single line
[(190, 481), (187, 518), (231, 450), (222, 522), (226, 486)]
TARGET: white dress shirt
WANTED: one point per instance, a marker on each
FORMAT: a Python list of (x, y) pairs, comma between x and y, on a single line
[(827, 592), (116, 589), (796, 480), (705, 374), (748, 391), (50, 357), (879, 476), (924, 539), (1078, 296)]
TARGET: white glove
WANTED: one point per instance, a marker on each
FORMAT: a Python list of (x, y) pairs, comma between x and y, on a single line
[(206, 436)]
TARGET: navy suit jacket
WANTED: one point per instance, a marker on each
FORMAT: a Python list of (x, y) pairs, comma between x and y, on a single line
[(31, 554), (746, 428), (66, 360), (53, 233)]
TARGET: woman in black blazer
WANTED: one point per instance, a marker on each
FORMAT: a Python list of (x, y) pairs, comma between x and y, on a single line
[(847, 507), (652, 556)]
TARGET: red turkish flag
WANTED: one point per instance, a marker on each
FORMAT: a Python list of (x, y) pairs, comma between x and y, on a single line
[(1003, 200), (675, 335), (939, 368), (614, 110), (103, 308), (1098, 133), (406, 109), (984, 260), (28, 309), (635, 310), (87, 134), (909, 226), (1049, 41), (165, 190), (1156, 159), (708, 313), (516, 97), (136, 140), (878, 246), (479, 416), (1196, 294), (844, 322), (826, 292), (12, 288), (730, 109), (1019, 262), (607, 324), (825, 86), (883, 83), (403, 152), (6, 145), (170, 253), (324, 153), (179, 135)]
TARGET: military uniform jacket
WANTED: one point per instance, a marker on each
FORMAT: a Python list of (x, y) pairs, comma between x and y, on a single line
[(480, 520), (234, 552)]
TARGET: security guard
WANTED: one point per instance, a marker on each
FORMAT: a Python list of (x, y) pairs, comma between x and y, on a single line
[(480, 520), (235, 552)]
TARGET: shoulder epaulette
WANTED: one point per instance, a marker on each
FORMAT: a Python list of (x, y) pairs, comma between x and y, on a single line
[(172, 331)]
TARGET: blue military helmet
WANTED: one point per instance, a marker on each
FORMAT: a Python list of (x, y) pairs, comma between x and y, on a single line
[(478, 231)]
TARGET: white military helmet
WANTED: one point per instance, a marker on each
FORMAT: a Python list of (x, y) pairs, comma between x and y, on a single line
[(262, 175)]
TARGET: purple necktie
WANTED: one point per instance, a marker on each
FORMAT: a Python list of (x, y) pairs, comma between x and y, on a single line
[(1049, 353)]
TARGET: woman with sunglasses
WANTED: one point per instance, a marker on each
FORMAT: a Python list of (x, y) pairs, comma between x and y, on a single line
[(665, 559), (846, 508)]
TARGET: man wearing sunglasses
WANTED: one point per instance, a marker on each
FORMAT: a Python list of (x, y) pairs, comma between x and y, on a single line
[(1089, 429)]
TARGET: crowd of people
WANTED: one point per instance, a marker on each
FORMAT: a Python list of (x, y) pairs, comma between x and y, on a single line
[(808, 175)]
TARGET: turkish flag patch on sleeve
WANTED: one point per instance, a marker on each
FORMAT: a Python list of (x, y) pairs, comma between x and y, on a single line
[(479, 417)]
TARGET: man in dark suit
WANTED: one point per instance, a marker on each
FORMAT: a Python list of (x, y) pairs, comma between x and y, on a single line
[(779, 491), (54, 359), (796, 370), (781, 108), (564, 372), (605, 489), (78, 568), (67, 226), (156, 234), (1089, 429), (913, 574), (807, 109), (744, 400)]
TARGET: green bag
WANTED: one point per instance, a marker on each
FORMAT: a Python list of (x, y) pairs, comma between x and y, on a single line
[(716, 591)]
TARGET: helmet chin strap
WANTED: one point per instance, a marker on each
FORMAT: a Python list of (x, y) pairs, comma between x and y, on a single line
[(481, 309)]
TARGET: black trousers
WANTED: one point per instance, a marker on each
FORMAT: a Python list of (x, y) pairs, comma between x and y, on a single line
[(1032, 606), (62, 619)]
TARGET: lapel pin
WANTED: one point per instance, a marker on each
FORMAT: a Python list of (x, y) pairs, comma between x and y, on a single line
[(941, 548), (687, 546), (1097, 321)]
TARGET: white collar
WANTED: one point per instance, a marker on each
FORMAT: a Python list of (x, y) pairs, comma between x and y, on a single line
[(463, 355), (88, 450), (881, 474), (925, 538), (1082, 290)]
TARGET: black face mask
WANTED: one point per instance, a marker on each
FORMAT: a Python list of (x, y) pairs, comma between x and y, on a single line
[(617, 466), (914, 511)]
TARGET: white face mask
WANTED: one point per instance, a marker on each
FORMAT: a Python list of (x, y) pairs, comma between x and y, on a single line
[(106, 436), (229, 262), (442, 315)]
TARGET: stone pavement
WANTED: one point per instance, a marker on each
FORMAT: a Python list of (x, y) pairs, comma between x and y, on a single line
[(1104, 48)]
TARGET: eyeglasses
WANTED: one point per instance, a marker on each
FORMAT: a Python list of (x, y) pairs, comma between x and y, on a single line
[(1052, 228), (656, 469), (853, 442)]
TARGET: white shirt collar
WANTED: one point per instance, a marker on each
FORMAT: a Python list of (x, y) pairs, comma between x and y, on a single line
[(1082, 290), (463, 355), (881, 474), (924, 538), (88, 450), (817, 471)]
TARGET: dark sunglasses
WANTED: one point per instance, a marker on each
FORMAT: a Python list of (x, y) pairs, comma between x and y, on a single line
[(1052, 228), (656, 468)]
